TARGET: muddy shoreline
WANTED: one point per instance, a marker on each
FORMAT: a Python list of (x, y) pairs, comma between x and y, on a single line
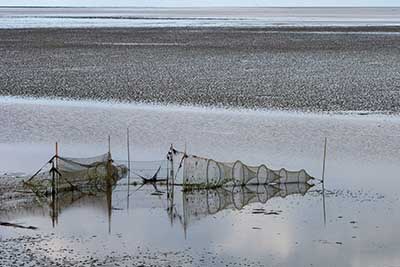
[(289, 68)]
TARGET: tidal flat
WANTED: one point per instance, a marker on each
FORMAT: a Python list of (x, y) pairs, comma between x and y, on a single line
[(290, 68), (259, 85)]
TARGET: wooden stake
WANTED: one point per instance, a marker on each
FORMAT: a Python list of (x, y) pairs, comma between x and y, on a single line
[(129, 156), (109, 162), (129, 166), (323, 181), (53, 182), (109, 145), (56, 154), (172, 165), (58, 176), (53, 196), (323, 164), (109, 184)]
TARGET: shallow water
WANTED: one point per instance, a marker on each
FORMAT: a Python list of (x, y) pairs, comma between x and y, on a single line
[(196, 17), (361, 182)]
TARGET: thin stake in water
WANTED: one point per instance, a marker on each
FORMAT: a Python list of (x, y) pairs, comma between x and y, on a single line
[(323, 180), (129, 164), (58, 177), (323, 163), (109, 146)]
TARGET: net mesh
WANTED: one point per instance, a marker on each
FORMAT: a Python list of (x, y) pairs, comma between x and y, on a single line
[(78, 164), (91, 172), (200, 172), (147, 169)]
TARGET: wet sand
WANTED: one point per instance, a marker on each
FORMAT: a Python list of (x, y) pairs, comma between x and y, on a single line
[(291, 68), (34, 250)]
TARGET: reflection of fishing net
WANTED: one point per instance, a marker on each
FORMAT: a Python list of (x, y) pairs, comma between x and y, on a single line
[(199, 172), (204, 202), (101, 201), (292, 188), (73, 173)]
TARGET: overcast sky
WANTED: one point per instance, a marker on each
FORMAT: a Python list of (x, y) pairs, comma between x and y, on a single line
[(188, 3)]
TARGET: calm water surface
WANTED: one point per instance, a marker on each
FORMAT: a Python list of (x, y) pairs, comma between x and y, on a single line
[(196, 17), (361, 201)]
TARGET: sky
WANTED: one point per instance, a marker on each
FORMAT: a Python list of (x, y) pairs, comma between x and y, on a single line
[(192, 3)]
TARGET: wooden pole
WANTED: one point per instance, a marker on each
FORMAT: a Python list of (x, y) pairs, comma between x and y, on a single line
[(58, 177), (53, 181), (324, 161), (109, 185), (56, 154), (53, 197), (109, 167), (109, 145), (323, 181), (129, 155), (172, 165), (129, 165), (54, 193)]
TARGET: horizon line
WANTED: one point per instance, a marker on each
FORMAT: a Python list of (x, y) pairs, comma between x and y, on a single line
[(216, 6)]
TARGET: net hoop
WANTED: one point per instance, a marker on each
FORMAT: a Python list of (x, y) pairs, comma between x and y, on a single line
[(260, 173), (238, 173), (213, 168)]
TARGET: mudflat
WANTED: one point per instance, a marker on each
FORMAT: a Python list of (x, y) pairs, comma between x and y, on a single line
[(290, 68)]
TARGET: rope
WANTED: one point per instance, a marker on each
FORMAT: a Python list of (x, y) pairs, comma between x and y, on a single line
[(136, 189), (36, 173)]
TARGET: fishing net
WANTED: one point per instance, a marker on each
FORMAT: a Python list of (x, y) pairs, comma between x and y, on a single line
[(200, 172), (76, 173), (151, 169), (78, 164)]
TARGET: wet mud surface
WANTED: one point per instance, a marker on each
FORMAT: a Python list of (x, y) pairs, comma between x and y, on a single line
[(318, 69), (37, 250)]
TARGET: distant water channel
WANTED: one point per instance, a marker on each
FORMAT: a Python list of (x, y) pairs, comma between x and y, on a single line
[(195, 17)]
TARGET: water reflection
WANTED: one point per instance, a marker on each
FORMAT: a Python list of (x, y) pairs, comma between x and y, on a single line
[(198, 204), (60, 202), (184, 208), (63, 200)]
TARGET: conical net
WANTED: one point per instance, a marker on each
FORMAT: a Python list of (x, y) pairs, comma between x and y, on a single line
[(201, 172)]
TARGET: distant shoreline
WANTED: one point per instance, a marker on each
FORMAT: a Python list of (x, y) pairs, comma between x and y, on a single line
[(184, 7), (241, 17), (269, 29)]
